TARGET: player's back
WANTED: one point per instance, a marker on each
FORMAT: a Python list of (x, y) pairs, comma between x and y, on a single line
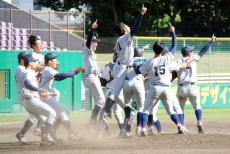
[(189, 74), (159, 70)]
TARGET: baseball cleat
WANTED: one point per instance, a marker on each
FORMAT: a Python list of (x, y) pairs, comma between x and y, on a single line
[(180, 130), (138, 131), (47, 140), (185, 130), (144, 133), (151, 131), (200, 129), (123, 134), (20, 137)]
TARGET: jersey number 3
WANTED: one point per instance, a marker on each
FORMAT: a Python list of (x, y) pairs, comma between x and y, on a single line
[(160, 69)]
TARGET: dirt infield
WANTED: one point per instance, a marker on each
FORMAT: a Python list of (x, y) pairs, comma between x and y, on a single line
[(215, 140)]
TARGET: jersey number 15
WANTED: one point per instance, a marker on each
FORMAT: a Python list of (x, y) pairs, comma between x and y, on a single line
[(160, 69)]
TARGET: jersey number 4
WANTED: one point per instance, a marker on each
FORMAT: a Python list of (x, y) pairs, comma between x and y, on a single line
[(160, 69), (119, 46)]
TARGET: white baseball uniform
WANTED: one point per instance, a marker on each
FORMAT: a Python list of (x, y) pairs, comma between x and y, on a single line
[(187, 87), (125, 52), (47, 82), (32, 102), (134, 85), (91, 79), (160, 80)]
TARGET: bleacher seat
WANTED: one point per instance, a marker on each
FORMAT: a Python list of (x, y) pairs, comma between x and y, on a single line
[(17, 38)]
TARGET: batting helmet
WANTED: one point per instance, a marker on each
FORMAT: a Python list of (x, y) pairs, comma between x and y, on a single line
[(138, 52)]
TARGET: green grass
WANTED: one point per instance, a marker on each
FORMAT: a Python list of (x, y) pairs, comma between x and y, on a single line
[(208, 114), (219, 62)]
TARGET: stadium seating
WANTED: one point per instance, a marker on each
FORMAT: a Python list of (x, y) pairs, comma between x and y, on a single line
[(13, 38)]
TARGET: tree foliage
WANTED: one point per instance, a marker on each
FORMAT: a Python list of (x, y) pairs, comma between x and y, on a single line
[(191, 17)]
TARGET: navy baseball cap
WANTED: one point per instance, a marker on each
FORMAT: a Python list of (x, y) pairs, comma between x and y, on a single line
[(29, 58), (186, 50), (49, 56), (22, 54)]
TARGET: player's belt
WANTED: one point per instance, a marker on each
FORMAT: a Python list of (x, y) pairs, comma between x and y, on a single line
[(184, 84), (126, 78)]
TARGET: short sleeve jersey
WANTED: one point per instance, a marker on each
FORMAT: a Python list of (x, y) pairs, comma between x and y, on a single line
[(189, 74), (159, 70)]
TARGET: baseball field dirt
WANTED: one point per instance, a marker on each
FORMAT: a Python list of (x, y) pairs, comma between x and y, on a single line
[(215, 140)]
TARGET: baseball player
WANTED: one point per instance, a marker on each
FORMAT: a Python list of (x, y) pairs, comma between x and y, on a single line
[(134, 87), (48, 75), (158, 69), (92, 72), (187, 81), (106, 80), (124, 55), (36, 45), (32, 102), (19, 77)]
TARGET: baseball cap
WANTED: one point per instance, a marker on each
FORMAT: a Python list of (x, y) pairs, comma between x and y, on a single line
[(22, 54), (29, 58), (186, 50), (49, 56)]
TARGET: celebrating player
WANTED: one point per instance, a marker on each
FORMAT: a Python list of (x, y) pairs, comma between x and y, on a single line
[(32, 102), (48, 75), (36, 45), (107, 79), (124, 52), (91, 80), (19, 77), (158, 69), (187, 81)]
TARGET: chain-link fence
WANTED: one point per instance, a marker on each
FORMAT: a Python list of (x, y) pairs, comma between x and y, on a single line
[(58, 30)]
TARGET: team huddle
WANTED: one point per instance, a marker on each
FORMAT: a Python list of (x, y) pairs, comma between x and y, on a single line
[(128, 77)]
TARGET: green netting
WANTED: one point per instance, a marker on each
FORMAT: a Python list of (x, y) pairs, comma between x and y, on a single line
[(220, 46)]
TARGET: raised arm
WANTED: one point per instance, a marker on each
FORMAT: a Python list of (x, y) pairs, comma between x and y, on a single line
[(173, 35), (138, 21), (207, 46), (90, 34)]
